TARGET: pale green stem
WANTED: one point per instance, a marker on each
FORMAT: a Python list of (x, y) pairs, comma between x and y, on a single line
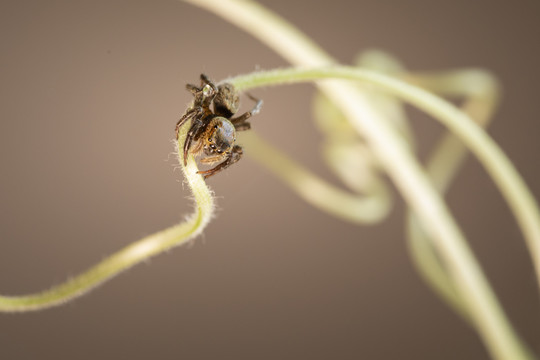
[(131, 254), (368, 208), (344, 150), (486, 313), (482, 93), (415, 187), (355, 166), (480, 87), (393, 109), (497, 164)]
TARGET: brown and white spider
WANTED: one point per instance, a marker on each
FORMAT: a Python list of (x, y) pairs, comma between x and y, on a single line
[(213, 133)]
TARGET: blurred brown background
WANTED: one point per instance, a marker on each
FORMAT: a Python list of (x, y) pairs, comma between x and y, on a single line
[(90, 92)]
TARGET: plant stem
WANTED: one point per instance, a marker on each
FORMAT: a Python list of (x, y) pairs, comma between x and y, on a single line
[(131, 254), (392, 151), (370, 207), (481, 92), (407, 175)]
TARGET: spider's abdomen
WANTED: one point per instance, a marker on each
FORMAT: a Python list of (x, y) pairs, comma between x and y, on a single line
[(226, 101)]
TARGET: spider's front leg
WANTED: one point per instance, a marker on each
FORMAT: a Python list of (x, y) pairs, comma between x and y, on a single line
[(190, 114), (206, 81), (234, 156), (194, 133), (240, 123)]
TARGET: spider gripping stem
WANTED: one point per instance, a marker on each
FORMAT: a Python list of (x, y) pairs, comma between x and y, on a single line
[(212, 133)]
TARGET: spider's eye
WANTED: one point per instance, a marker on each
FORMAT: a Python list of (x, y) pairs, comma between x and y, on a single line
[(213, 146), (219, 151)]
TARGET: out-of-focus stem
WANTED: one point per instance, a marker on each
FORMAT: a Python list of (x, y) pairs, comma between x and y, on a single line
[(366, 208), (482, 94), (484, 309)]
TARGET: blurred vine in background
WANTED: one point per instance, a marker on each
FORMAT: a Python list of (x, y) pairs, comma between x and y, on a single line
[(367, 135), (439, 248)]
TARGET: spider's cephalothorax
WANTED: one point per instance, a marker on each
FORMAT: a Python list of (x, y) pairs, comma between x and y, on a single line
[(213, 132)]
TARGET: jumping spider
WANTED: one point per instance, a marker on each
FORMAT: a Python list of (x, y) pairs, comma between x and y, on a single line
[(213, 133)]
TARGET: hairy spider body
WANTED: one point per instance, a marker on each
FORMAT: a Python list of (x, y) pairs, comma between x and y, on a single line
[(213, 132)]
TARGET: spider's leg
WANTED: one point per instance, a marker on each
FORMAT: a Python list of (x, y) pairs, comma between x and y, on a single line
[(212, 159), (206, 81), (258, 104), (192, 89), (242, 126), (188, 115), (193, 133), (235, 155), (240, 123)]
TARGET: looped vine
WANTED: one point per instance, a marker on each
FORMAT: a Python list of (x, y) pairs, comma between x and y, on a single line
[(384, 143)]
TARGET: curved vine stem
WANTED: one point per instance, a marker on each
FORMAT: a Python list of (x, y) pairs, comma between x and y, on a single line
[(370, 207), (481, 92), (131, 254), (391, 150), (445, 234), (490, 155)]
